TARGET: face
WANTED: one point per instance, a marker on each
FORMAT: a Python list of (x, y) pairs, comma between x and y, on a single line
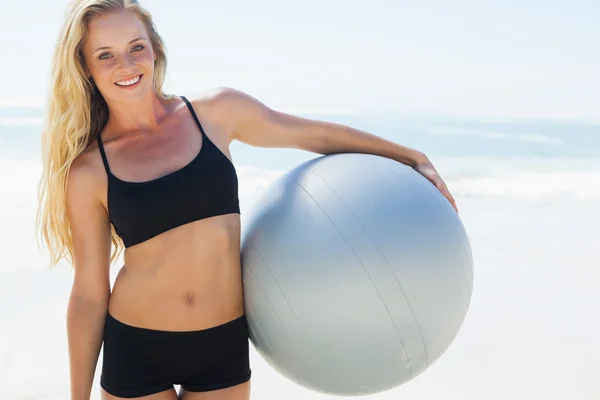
[(119, 56)]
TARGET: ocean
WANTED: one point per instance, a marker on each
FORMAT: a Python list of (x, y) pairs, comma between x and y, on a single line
[(528, 193)]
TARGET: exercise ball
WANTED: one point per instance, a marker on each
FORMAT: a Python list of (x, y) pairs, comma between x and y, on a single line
[(357, 274)]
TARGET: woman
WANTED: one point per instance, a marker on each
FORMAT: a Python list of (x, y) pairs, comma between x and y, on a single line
[(128, 167)]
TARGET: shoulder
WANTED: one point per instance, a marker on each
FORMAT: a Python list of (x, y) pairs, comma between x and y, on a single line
[(229, 108), (86, 177), (225, 97)]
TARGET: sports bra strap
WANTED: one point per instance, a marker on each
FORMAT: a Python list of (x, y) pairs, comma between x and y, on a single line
[(189, 105), (103, 154), (101, 146)]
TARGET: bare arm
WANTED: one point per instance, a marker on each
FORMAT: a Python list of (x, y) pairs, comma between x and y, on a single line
[(88, 303), (249, 121)]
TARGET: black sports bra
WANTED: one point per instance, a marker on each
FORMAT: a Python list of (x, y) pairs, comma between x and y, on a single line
[(206, 187)]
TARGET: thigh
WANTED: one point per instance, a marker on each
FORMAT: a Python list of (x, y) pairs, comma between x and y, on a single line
[(238, 392), (170, 394)]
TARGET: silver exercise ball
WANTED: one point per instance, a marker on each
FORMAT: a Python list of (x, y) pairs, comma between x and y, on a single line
[(357, 274)]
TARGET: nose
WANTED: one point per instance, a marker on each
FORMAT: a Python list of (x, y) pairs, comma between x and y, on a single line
[(126, 62)]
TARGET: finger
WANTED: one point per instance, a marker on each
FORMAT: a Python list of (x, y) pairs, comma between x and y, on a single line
[(443, 188), (446, 193), (452, 201)]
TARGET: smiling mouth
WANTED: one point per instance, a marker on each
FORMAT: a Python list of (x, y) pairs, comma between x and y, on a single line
[(129, 82)]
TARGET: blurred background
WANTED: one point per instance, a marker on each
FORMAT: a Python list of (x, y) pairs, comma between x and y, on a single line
[(504, 98)]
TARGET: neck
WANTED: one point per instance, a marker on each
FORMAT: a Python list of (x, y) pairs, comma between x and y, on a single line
[(141, 115)]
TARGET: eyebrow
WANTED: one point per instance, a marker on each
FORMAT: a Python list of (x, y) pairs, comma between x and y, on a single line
[(106, 48)]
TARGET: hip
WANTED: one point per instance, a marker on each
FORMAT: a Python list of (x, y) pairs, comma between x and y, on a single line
[(139, 361)]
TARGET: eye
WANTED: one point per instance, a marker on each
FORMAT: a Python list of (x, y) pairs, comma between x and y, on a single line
[(137, 47)]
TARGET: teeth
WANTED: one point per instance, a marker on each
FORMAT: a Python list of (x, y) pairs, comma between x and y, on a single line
[(129, 82)]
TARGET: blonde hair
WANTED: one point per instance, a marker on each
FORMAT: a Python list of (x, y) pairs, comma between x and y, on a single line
[(76, 114)]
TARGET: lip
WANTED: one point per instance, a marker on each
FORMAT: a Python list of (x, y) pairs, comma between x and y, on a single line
[(132, 77)]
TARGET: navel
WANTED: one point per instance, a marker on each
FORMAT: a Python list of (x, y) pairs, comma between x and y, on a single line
[(190, 299)]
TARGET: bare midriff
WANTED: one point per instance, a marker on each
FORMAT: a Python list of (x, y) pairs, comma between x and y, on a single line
[(188, 278)]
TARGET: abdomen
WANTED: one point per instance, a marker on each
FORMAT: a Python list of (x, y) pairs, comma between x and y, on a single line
[(188, 278)]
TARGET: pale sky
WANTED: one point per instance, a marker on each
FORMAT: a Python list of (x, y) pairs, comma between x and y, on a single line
[(481, 58)]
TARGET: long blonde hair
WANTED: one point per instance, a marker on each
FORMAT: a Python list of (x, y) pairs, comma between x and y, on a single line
[(76, 114)]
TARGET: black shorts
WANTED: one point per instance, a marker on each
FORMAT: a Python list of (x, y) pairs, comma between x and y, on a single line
[(139, 362)]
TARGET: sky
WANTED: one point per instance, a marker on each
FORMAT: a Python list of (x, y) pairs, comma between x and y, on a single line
[(510, 59)]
